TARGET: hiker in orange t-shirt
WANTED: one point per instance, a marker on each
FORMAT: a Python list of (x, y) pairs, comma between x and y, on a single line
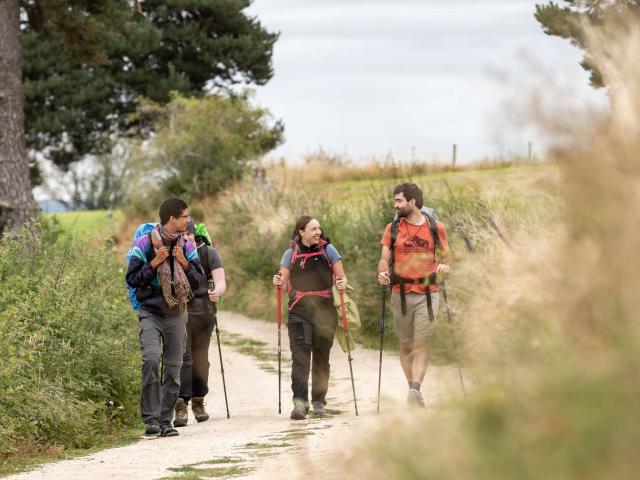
[(417, 256)]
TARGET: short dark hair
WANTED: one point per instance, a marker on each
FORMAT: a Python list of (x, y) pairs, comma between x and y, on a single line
[(411, 191), (172, 207)]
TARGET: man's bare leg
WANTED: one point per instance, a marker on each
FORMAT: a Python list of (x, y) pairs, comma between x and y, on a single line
[(420, 361), (406, 359)]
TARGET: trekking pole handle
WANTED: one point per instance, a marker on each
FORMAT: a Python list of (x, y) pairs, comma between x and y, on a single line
[(211, 286)]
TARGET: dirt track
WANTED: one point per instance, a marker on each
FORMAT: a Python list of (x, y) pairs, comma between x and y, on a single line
[(256, 442)]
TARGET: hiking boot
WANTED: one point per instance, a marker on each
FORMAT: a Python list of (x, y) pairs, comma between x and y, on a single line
[(181, 415), (299, 412), (166, 430), (151, 431), (318, 409), (414, 398), (197, 407)]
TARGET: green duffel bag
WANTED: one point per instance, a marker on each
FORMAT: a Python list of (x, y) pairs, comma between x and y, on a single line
[(353, 317)]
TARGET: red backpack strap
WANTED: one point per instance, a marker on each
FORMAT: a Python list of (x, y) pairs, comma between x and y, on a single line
[(323, 248), (294, 249), (295, 255)]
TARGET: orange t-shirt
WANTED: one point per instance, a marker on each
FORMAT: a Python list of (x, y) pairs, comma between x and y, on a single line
[(413, 252)]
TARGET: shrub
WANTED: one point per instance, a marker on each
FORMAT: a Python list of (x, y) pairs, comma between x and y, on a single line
[(204, 145), (68, 338)]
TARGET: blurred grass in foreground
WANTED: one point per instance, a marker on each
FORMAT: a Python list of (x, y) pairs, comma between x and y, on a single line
[(553, 344)]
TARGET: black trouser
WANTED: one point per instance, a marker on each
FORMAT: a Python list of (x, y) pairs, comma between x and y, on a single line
[(195, 364), (311, 336)]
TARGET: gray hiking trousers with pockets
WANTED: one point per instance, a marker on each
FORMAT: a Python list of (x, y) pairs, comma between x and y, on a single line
[(163, 341)]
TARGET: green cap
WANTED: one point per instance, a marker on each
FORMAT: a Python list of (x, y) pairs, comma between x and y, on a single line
[(201, 231)]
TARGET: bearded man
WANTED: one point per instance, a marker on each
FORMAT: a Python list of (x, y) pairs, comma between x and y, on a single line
[(414, 250)]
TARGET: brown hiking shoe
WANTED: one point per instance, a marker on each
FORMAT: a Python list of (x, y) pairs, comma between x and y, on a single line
[(197, 407), (318, 409), (181, 415)]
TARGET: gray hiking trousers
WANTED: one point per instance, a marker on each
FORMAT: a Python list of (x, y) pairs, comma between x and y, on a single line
[(163, 341)]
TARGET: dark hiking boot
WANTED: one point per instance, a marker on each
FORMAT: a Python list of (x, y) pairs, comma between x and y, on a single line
[(197, 407), (151, 431), (318, 409), (181, 415), (299, 412), (166, 430)]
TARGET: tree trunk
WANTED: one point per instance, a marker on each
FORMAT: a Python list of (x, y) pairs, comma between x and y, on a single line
[(17, 204)]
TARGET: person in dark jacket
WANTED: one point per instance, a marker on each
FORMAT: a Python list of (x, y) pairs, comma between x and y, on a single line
[(308, 269), (165, 269), (194, 377)]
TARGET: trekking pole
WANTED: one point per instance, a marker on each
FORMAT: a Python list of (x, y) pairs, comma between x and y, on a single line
[(279, 349), (382, 312), (224, 385), (455, 343), (345, 324)]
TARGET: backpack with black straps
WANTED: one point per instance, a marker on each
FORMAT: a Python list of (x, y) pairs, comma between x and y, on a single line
[(432, 218), (203, 254), (351, 309), (323, 276), (143, 229), (203, 240), (135, 294)]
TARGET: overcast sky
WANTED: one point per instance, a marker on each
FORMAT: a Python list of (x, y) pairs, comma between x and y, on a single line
[(366, 77)]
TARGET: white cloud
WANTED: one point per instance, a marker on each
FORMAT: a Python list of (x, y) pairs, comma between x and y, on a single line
[(371, 76)]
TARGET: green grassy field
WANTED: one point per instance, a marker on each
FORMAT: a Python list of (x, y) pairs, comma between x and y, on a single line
[(101, 222), (355, 190), (252, 225)]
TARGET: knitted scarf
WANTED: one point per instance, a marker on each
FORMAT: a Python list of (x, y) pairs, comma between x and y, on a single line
[(179, 282)]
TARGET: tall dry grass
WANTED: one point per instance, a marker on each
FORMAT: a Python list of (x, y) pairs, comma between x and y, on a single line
[(325, 168), (252, 225), (554, 341)]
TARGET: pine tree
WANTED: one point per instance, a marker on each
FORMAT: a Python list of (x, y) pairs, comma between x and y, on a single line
[(17, 204), (86, 64), (568, 22)]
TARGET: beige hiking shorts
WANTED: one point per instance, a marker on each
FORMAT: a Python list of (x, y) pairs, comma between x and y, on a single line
[(415, 324)]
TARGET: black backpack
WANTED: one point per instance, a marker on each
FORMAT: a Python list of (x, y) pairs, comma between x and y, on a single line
[(203, 253)]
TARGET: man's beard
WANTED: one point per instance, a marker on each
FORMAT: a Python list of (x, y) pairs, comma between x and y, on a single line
[(403, 212)]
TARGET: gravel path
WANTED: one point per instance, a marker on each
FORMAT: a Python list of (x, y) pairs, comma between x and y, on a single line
[(256, 442)]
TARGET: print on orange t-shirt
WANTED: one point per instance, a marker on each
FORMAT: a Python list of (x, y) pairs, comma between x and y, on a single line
[(413, 252)]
